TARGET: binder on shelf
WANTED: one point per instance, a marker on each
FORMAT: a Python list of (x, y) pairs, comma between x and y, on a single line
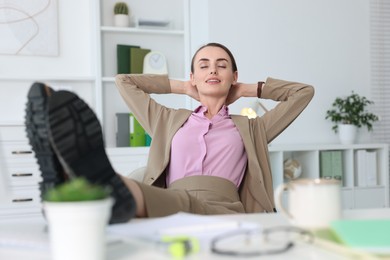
[(122, 129), (136, 133), (148, 139), (331, 164), (360, 168), (123, 55), (371, 168), (337, 164), (137, 56), (326, 164)]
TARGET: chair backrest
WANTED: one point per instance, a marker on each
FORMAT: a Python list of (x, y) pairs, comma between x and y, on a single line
[(137, 174)]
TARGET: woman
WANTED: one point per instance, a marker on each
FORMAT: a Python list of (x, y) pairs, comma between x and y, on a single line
[(209, 161), (204, 161)]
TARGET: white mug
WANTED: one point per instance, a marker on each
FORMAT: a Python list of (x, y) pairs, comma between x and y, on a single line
[(312, 203)]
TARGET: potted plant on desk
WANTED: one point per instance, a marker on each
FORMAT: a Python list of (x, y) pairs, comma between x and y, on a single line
[(77, 214), (348, 114)]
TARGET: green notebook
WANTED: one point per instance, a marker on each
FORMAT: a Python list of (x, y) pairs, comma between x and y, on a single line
[(372, 235), (137, 60)]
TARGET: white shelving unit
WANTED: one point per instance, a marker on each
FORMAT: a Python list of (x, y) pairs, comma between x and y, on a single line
[(353, 195), (172, 41)]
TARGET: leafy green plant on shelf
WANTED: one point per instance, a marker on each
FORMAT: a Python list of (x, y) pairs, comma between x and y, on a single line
[(78, 189), (351, 110)]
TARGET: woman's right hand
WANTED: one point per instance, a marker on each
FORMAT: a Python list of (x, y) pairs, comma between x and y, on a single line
[(191, 90), (184, 87)]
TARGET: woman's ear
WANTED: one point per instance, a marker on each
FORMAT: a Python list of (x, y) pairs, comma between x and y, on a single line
[(192, 79), (235, 77)]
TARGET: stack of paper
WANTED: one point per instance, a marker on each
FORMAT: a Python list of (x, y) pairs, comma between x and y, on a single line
[(179, 224)]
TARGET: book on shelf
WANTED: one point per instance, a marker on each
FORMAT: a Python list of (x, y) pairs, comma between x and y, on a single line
[(137, 133), (123, 56), (366, 168), (148, 139), (129, 132), (331, 164), (122, 129), (371, 168), (360, 167), (137, 56)]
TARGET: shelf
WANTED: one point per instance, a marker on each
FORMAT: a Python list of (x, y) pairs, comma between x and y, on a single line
[(311, 147), (112, 79), (11, 123), (47, 78), (108, 79), (138, 30)]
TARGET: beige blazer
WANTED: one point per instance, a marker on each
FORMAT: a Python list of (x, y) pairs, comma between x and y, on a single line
[(161, 123)]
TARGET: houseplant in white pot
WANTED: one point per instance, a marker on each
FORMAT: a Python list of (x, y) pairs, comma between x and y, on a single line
[(77, 213), (121, 14), (348, 114)]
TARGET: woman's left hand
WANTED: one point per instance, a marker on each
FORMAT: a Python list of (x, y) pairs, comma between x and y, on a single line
[(234, 93)]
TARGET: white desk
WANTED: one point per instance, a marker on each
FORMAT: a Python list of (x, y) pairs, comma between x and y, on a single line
[(135, 249)]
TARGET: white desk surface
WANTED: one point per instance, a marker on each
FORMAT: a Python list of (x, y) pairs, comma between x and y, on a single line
[(134, 249)]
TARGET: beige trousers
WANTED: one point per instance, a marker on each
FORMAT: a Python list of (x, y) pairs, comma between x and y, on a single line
[(195, 194)]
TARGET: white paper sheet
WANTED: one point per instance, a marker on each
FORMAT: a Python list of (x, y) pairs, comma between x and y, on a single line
[(179, 224)]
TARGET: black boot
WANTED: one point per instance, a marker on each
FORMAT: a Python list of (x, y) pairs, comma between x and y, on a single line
[(52, 172), (76, 136)]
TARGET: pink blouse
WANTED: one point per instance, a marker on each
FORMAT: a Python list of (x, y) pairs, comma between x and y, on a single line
[(208, 147)]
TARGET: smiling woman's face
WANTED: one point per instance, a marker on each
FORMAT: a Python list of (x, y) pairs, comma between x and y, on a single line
[(213, 73)]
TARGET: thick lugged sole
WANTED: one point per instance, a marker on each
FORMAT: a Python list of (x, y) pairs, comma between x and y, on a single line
[(37, 134), (77, 138)]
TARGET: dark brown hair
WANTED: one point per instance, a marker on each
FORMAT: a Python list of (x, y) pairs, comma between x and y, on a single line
[(214, 44)]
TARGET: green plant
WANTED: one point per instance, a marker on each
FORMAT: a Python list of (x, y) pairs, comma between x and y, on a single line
[(78, 189), (121, 8), (351, 110)]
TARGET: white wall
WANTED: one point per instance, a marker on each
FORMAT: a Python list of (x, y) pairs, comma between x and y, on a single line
[(76, 59), (323, 43), (75, 51)]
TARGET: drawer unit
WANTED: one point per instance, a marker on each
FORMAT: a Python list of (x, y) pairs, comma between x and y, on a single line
[(23, 177)]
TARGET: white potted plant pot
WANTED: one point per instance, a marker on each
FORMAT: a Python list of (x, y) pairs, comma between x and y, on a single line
[(77, 229), (121, 20), (347, 133)]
